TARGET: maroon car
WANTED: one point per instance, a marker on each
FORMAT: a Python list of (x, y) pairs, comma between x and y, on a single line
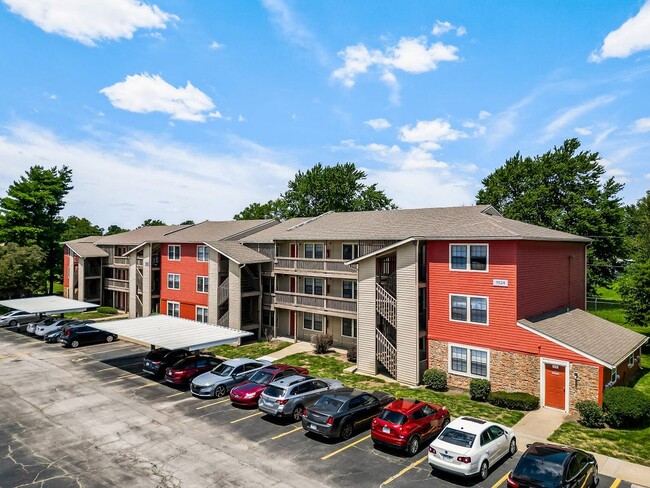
[(406, 423), (186, 369), (249, 393)]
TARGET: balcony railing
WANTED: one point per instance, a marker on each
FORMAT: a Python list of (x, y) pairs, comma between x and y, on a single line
[(310, 265), (324, 303), (120, 261), (112, 283)]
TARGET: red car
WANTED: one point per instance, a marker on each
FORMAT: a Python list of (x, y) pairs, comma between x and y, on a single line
[(406, 423), (186, 369), (249, 393)]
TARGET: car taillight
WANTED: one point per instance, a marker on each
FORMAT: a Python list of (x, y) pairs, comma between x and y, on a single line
[(330, 421), (67, 332), (512, 483), (282, 402), (374, 421), (432, 450), (304, 412), (464, 459)]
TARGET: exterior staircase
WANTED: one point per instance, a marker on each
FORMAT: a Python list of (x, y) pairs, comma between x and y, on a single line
[(386, 307)]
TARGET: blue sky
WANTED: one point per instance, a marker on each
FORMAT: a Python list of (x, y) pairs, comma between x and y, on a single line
[(192, 110)]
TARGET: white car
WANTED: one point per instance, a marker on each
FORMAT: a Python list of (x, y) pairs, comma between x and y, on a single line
[(470, 446), (50, 325)]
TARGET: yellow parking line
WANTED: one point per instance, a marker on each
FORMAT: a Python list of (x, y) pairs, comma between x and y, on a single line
[(498, 483), (616, 482), (213, 403), (247, 417), (125, 377), (406, 469), (176, 394), (146, 386), (287, 433), (346, 447)]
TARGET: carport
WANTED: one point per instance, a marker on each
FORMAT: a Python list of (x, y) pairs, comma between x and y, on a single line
[(172, 332), (50, 304)]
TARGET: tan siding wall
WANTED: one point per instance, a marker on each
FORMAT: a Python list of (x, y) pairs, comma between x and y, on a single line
[(366, 320), (82, 280), (132, 285), (146, 280), (213, 286), (234, 295), (407, 315)]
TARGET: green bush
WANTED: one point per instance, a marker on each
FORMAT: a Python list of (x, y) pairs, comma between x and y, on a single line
[(435, 379), (479, 389), (516, 400), (107, 310), (590, 414), (626, 407), (322, 343)]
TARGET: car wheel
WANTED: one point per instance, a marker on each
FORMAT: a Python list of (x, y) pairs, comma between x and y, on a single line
[(219, 391), (595, 479), (445, 423), (513, 447), (109, 338), (74, 344), (346, 431), (13, 323), (297, 413), (483, 473), (413, 446)]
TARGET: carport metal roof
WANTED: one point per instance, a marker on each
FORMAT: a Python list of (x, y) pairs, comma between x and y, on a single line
[(172, 332), (47, 304)]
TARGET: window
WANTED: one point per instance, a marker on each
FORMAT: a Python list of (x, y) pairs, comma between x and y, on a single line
[(478, 309), (350, 251), (312, 321), (349, 289), (314, 250), (174, 253), (469, 361), (173, 309), (614, 376), (630, 361), (477, 254), (202, 284), (173, 281), (202, 253), (202, 314), (314, 286), (348, 327)]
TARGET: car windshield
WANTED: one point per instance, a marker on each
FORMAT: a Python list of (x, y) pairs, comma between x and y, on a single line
[(261, 377), (328, 404), (223, 370), (48, 321), (457, 437), (156, 354), (274, 391), (395, 418), (542, 469)]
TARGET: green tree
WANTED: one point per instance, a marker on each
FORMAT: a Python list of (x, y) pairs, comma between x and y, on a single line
[(152, 223), (321, 189), (114, 229), (21, 270), (78, 227), (187, 222), (564, 189), (29, 214)]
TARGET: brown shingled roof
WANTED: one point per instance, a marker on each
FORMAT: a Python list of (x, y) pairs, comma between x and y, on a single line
[(137, 236), (238, 253), (216, 230), (267, 236), (86, 249)]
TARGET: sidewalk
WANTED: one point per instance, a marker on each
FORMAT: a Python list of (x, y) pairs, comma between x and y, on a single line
[(538, 425), (295, 348)]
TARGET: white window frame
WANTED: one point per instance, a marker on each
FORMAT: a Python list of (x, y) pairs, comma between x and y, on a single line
[(169, 275), (170, 253), (468, 363), (354, 289), (206, 253), (313, 321), (614, 377), (355, 249), (630, 361), (354, 328), (313, 286), (175, 305), (468, 264), (204, 313), (313, 249), (206, 284), (468, 305)]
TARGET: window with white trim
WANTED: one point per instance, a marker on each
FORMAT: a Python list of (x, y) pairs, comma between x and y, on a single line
[(202, 284), (614, 376), (349, 289), (630, 361), (468, 257), (202, 314), (202, 253), (174, 252), (173, 309), (312, 321), (348, 327), (350, 251), (314, 250), (477, 306), (468, 361), (173, 281), (314, 286)]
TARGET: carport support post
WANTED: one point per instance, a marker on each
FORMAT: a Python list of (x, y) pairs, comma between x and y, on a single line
[(82, 280)]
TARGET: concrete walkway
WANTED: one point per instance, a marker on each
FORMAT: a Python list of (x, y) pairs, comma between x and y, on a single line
[(295, 348), (538, 425)]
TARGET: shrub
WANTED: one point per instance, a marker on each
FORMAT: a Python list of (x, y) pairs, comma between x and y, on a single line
[(514, 400), (590, 414), (435, 379), (322, 342), (352, 354), (107, 310), (626, 407), (479, 390)]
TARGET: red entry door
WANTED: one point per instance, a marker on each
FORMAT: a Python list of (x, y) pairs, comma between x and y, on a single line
[(555, 376)]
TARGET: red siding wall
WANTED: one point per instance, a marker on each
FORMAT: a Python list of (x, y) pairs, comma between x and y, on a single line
[(502, 332), (66, 266), (189, 268), (549, 275)]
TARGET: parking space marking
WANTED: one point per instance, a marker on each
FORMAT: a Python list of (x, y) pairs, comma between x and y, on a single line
[(176, 394), (287, 433), (125, 377), (405, 470), (247, 417), (213, 403), (118, 367), (615, 483), (346, 447), (498, 483), (148, 385)]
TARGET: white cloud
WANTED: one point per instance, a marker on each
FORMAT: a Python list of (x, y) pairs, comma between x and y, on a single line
[(631, 37), (241, 118), (441, 28), (88, 21), (584, 131), (378, 124), (150, 93), (573, 113), (641, 125), (602, 135), (483, 114), (415, 157), (430, 131), (214, 45), (479, 129), (647, 176)]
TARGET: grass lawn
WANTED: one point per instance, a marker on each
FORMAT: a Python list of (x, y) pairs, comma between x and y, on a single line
[(91, 315), (255, 350)]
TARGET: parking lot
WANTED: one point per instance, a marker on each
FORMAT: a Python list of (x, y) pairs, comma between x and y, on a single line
[(90, 417)]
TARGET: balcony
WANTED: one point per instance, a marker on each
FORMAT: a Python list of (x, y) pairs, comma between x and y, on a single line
[(315, 267), (120, 261), (117, 285), (342, 307)]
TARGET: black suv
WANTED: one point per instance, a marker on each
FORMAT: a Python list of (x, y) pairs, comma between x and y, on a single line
[(74, 336), (158, 360)]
